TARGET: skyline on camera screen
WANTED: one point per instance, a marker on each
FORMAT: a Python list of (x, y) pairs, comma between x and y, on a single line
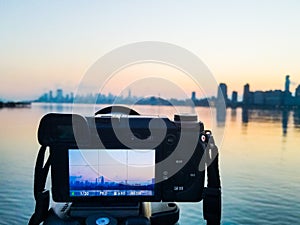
[(111, 172)]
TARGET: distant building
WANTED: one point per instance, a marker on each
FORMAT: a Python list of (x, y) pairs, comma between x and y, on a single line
[(234, 100), (287, 84), (287, 97), (59, 95), (101, 180), (297, 96), (234, 97), (297, 92), (193, 96), (246, 95), (258, 98), (50, 96), (274, 98), (222, 93)]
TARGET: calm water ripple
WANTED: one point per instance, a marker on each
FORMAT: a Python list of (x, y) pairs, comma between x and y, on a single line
[(260, 163)]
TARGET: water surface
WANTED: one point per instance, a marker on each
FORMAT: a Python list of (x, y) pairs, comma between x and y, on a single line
[(260, 163)]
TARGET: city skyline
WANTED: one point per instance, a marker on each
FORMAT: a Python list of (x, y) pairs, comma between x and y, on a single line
[(277, 98), (51, 46), (270, 98), (102, 181), (61, 96), (70, 94), (81, 187)]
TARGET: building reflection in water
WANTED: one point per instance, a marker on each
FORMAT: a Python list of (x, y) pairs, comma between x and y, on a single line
[(221, 115), (285, 121), (245, 115), (272, 116), (233, 114), (296, 116)]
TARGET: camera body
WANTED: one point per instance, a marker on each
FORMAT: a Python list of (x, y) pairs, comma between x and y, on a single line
[(124, 158)]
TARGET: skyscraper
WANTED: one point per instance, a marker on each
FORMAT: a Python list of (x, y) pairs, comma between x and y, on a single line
[(222, 92), (287, 84), (101, 180), (297, 92), (220, 107), (59, 95), (193, 96), (246, 94), (234, 97), (50, 96), (287, 96)]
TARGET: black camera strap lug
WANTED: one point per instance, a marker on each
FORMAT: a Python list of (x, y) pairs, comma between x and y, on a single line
[(212, 205), (42, 196), (212, 202), (41, 208)]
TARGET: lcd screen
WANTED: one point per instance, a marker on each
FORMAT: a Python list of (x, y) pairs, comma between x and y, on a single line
[(111, 172)]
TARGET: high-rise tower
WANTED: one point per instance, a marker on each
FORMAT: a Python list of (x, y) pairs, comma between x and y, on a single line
[(222, 92), (287, 84)]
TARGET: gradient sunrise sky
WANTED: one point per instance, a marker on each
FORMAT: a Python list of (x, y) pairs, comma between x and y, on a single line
[(49, 45)]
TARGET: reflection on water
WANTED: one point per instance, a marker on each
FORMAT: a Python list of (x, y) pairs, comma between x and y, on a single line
[(270, 116), (221, 115), (284, 121), (233, 114), (259, 163), (245, 115), (262, 116), (296, 116)]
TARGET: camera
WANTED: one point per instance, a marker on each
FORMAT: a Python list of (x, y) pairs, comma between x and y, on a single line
[(124, 158), (120, 167)]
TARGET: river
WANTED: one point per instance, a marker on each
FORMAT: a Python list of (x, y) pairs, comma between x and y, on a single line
[(259, 163)]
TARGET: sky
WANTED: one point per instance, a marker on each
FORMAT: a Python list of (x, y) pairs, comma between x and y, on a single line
[(45, 45), (117, 164)]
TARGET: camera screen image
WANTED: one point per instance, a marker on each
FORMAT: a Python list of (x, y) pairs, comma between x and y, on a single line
[(111, 172)]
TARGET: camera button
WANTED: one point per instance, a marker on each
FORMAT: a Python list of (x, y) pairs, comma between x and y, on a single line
[(102, 221), (170, 139)]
